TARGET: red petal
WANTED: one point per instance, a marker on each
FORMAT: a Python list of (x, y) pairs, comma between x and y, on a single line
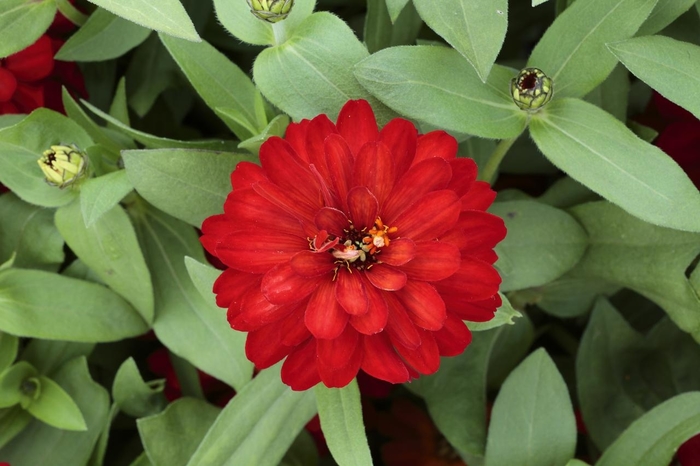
[(356, 124), (8, 84), (425, 358), (435, 144), (429, 217), (232, 285), (319, 129), (332, 220), (299, 208), (333, 353), (476, 231), (258, 311), (377, 314), (29, 97), (473, 311), (363, 207), (33, 63), (340, 162), (398, 252), (453, 337), (422, 178), (246, 174), (281, 285), (479, 197), (401, 137), (324, 317), (299, 369), (386, 277), (264, 348), (400, 327), (312, 264), (374, 168), (381, 361), (247, 210), (284, 168), (258, 252), (464, 173), (341, 377), (433, 261), (295, 135), (424, 304), (474, 280), (292, 328), (350, 293), (214, 230)]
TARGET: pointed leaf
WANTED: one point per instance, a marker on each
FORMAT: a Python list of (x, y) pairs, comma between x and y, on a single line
[(22, 23), (602, 153), (56, 408), (99, 195), (135, 397)]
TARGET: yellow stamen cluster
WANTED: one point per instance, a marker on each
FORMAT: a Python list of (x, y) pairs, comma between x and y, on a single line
[(378, 237)]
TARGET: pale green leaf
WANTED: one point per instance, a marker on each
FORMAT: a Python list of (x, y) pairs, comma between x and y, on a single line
[(340, 412), (22, 23), (602, 153), (168, 16), (395, 7), (663, 14), (669, 66), (572, 52), (437, 86), (8, 350), (476, 29), (135, 397), (99, 195), (56, 408)]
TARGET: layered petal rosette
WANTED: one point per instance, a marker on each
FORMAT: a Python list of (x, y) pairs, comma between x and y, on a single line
[(351, 248)]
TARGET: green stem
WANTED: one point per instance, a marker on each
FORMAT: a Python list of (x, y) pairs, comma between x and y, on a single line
[(280, 32), (495, 159), (74, 15)]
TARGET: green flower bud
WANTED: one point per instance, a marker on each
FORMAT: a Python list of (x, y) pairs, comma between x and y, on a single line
[(271, 11), (531, 89), (63, 165)]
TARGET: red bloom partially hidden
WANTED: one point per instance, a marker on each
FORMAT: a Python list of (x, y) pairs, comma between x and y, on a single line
[(689, 453), (352, 248)]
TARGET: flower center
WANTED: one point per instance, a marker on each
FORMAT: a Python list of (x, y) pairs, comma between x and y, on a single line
[(357, 248)]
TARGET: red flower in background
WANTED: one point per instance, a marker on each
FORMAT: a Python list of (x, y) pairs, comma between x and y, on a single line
[(679, 134), (689, 453), (31, 78), (352, 248)]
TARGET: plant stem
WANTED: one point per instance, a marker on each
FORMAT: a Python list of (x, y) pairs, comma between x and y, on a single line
[(495, 159), (280, 32), (74, 15)]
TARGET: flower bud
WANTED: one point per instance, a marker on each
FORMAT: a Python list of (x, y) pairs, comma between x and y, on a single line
[(531, 89), (271, 11), (63, 165)]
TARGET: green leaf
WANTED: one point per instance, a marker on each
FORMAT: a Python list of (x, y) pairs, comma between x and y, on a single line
[(277, 127), (11, 384), (340, 412), (436, 85), (219, 82), (22, 23), (151, 141), (569, 297), (602, 153), (381, 31), (190, 185), (134, 396), (663, 14), (650, 260), (12, 422), (8, 350), (40, 304), (190, 326), (612, 95), (56, 408), (317, 61), (671, 67), (166, 16), (203, 277), (40, 443), (303, 451), (111, 250), (504, 316), (395, 7), (654, 438), (49, 356), (457, 404), (150, 72), (10, 120), (572, 52), (604, 359), (22, 145), (99, 195), (119, 108), (171, 437), (532, 421), (239, 21), (258, 425), (104, 36), (111, 141), (542, 243), (475, 29), (28, 232)]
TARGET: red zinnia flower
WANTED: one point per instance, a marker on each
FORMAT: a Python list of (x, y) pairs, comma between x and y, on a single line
[(689, 453), (352, 248)]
